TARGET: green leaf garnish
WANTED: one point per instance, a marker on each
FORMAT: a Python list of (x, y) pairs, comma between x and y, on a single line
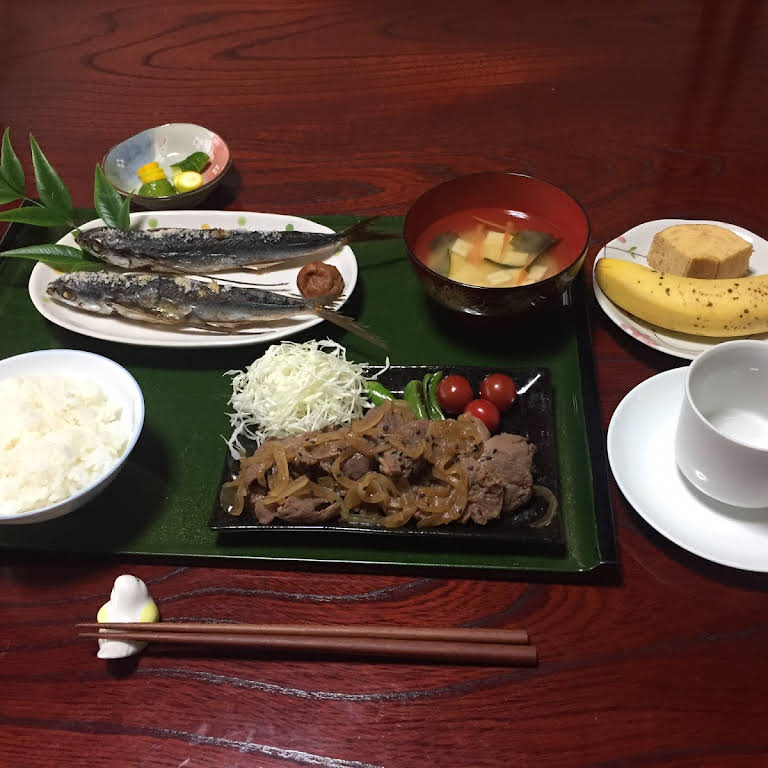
[(11, 172), (62, 257), (124, 220), (54, 209), (112, 208), (8, 195), (50, 188), (34, 214)]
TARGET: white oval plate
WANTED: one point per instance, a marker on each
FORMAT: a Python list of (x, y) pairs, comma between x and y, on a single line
[(115, 328), (641, 452), (634, 246)]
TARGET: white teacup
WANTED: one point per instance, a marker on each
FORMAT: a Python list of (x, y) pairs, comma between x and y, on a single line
[(722, 436)]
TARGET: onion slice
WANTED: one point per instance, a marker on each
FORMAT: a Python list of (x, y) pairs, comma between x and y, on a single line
[(551, 511)]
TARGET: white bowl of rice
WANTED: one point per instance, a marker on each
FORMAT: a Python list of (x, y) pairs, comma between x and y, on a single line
[(68, 421)]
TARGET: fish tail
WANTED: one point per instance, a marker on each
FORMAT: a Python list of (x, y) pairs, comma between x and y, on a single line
[(348, 324), (361, 231)]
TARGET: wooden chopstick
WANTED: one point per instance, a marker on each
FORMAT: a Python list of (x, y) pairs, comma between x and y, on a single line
[(505, 654), (444, 634)]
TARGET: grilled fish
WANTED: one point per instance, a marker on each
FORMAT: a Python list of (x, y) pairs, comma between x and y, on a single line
[(205, 251), (185, 302)]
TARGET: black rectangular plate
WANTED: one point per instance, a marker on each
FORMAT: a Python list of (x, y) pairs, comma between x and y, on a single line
[(531, 415)]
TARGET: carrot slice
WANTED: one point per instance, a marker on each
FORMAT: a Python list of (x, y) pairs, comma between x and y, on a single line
[(509, 228), (491, 224), (475, 256), (522, 276)]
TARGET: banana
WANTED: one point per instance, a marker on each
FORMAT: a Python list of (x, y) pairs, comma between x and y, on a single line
[(721, 308)]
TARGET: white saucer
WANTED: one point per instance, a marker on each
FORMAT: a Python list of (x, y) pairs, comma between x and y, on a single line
[(641, 439)]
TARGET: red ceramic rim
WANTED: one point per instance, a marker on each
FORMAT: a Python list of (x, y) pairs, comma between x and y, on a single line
[(412, 256)]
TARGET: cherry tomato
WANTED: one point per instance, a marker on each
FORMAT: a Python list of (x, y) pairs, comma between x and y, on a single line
[(486, 411), (499, 389), (453, 393)]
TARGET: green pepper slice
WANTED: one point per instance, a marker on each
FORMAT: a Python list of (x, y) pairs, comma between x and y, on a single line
[(378, 393), (431, 381), (412, 395)]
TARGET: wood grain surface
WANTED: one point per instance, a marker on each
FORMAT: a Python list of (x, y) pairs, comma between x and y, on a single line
[(641, 110)]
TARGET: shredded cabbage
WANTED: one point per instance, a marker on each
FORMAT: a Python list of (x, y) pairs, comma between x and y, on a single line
[(295, 388)]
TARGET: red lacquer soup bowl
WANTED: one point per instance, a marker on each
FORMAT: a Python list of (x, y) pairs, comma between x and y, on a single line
[(529, 206)]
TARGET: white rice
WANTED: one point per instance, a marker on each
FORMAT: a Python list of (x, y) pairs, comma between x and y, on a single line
[(58, 434)]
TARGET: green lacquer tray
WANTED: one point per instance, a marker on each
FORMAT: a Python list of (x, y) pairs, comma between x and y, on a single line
[(160, 504)]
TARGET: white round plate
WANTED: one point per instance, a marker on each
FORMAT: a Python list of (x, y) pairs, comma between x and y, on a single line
[(634, 246), (641, 439), (115, 328)]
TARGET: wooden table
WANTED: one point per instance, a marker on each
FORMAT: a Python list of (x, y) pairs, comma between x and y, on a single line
[(641, 110)]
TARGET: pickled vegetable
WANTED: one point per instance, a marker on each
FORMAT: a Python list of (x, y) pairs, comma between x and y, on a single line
[(197, 162), (159, 188)]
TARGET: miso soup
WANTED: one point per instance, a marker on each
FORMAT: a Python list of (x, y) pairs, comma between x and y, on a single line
[(492, 248)]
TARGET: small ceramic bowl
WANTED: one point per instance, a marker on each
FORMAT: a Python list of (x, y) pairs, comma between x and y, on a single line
[(167, 144), (549, 208), (118, 386)]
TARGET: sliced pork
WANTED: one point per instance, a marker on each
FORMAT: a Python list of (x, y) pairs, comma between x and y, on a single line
[(392, 468)]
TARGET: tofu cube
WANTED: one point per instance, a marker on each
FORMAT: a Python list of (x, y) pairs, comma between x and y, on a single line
[(536, 272), (461, 247), (503, 277), (492, 245)]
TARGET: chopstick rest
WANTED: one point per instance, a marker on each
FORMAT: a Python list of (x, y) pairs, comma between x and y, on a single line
[(129, 601)]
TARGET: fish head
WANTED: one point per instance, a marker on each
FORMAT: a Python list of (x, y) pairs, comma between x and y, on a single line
[(93, 240), (105, 244), (81, 290)]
